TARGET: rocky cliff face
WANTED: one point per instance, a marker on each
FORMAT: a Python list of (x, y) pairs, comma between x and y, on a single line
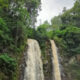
[(47, 62)]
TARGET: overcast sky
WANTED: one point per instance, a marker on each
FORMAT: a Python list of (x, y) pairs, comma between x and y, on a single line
[(51, 8)]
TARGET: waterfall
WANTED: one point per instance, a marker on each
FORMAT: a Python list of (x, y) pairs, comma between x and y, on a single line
[(56, 72), (34, 69)]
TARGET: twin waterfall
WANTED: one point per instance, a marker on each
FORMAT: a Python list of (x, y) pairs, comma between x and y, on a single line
[(34, 65)]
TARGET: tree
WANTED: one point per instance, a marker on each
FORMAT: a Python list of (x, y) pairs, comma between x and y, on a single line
[(72, 16), (18, 16), (56, 22), (64, 9)]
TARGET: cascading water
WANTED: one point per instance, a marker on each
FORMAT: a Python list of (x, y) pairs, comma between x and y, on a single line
[(34, 69), (56, 72)]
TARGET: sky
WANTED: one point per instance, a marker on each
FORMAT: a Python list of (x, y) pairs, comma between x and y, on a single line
[(51, 8)]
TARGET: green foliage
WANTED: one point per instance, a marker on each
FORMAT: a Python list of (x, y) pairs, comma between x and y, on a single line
[(4, 3), (16, 18), (72, 16), (71, 39), (43, 30), (5, 39), (56, 22), (50, 34), (7, 65)]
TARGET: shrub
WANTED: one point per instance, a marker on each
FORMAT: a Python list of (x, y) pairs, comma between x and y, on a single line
[(7, 64)]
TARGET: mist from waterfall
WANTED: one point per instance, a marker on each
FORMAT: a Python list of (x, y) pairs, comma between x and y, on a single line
[(34, 69), (56, 69)]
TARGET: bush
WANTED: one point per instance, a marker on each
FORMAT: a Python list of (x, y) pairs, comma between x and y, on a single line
[(68, 40), (7, 65)]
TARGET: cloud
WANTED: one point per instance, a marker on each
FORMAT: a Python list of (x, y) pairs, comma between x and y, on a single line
[(51, 8)]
